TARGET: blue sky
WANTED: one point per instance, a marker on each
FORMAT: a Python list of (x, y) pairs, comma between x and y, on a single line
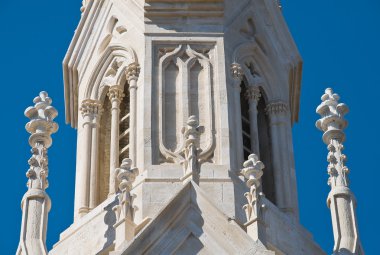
[(338, 40)]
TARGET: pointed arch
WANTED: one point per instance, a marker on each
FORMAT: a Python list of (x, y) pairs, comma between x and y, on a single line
[(101, 78)]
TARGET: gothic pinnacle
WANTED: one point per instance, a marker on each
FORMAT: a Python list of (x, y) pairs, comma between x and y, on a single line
[(341, 200), (36, 201)]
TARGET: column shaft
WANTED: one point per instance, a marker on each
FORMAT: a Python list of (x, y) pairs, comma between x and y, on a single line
[(84, 176), (132, 119), (94, 170), (115, 94), (253, 95), (278, 115)]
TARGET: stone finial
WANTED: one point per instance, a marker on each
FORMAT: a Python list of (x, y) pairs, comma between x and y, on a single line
[(40, 126), (35, 201), (133, 72), (125, 175), (340, 199), (125, 227), (332, 121), (237, 71), (253, 171), (191, 163)]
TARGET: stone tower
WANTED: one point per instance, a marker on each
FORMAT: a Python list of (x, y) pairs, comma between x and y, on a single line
[(184, 112)]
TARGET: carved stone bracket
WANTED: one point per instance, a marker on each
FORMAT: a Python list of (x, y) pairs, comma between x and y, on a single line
[(191, 162)]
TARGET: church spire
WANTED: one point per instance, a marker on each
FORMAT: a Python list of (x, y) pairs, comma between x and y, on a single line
[(36, 203), (341, 200)]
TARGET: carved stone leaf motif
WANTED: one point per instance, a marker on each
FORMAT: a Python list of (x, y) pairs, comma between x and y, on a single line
[(185, 79), (253, 171), (40, 126)]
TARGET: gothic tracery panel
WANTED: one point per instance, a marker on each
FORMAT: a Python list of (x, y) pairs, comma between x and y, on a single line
[(184, 87)]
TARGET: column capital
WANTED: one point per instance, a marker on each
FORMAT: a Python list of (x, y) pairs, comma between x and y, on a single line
[(276, 108), (115, 93), (253, 93), (237, 71), (132, 72), (90, 107)]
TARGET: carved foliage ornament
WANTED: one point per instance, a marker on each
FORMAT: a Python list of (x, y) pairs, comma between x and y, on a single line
[(332, 123), (40, 126), (253, 171), (125, 175), (191, 152)]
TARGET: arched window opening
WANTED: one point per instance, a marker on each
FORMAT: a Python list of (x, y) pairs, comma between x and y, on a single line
[(105, 142), (124, 125), (245, 123), (261, 125), (104, 151), (265, 146)]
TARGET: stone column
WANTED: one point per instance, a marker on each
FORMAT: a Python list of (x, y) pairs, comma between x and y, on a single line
[(115, 95), (97, 111), (253, 171), (341, 200), (83, 177), (132, 73), (279, 122), (237, 74), (36, 203), (253, 95)]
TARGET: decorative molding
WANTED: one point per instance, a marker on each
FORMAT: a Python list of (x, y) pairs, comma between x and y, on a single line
[(185, 57)]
